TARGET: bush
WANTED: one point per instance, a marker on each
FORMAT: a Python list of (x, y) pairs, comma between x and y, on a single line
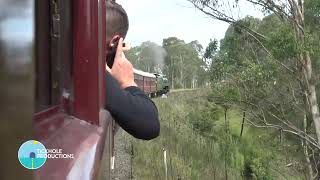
[(257, 164), (203, 120)]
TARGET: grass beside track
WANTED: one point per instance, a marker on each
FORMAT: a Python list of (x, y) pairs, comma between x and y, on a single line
[(195, 155)]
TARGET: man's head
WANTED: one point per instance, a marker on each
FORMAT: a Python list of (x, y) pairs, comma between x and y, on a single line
[(117, 20)]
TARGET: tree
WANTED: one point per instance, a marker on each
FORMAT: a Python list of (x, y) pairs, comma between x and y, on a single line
[(292, 13), (148, 57), (211, 49), (272, 65), (183, 63), (133, 56)]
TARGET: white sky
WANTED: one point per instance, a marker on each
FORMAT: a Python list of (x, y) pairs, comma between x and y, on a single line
[(154, 20)]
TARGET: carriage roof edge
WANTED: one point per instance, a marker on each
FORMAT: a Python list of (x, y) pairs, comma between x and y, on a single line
[(142, 73)]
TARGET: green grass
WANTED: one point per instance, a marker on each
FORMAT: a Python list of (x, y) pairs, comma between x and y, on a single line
[(193, 134)]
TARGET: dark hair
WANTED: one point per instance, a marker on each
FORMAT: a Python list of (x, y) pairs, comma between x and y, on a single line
[(116, 20)]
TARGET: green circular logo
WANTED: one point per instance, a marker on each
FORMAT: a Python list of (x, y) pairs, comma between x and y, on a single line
[(32, 154)]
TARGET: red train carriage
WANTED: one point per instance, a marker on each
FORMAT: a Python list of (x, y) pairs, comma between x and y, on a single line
[(70, 88), (146, 81), (55, 69)]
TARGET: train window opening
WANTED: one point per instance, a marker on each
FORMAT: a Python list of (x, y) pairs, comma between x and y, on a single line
[(42, 65), (53, 67)]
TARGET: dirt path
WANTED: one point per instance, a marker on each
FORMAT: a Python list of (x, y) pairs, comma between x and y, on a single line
[(122, 165)]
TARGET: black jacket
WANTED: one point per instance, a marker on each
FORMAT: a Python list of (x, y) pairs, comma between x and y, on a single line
[(132, 110)]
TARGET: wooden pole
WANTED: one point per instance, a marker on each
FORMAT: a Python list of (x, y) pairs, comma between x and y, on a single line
[(242, 125), (165, 162)]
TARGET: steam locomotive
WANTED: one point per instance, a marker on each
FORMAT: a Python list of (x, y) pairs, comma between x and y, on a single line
[(52, 73), (152, 84)]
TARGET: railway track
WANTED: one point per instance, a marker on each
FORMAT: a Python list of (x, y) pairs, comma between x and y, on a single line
[(122, 162)]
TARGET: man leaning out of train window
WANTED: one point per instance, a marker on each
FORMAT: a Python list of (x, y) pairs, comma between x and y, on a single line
[(130, 107)]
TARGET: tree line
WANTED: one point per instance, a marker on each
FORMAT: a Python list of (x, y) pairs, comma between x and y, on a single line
[(183, 63)]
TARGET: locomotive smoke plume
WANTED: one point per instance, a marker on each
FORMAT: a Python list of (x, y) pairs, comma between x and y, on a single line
[(151, 56), (159, 55)]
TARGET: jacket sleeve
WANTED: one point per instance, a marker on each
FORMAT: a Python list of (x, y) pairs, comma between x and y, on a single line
[(132, 110)]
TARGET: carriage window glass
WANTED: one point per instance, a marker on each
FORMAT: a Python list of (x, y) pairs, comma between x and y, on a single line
[(53, 52)]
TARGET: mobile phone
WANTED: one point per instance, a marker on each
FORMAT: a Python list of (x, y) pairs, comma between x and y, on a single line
[(112, 51)]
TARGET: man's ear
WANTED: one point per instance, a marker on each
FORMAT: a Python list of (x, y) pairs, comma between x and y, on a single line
[(114, 41)]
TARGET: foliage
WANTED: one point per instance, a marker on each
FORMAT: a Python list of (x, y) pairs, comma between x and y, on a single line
[(203, 120), (282, 43), (202, 154), (211, 49), (184, 66), (273, 65), (244, 66)]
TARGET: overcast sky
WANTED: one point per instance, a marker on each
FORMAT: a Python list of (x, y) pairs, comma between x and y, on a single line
[(154, 20), (16, 21)]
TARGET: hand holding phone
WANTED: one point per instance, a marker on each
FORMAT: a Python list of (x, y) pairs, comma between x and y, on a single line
[(121, 69), (112, 50)]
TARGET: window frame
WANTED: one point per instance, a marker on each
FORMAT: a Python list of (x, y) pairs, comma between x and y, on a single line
[(80, 72)]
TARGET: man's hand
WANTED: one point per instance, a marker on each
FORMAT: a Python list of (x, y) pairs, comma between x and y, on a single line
[(122, 69)]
